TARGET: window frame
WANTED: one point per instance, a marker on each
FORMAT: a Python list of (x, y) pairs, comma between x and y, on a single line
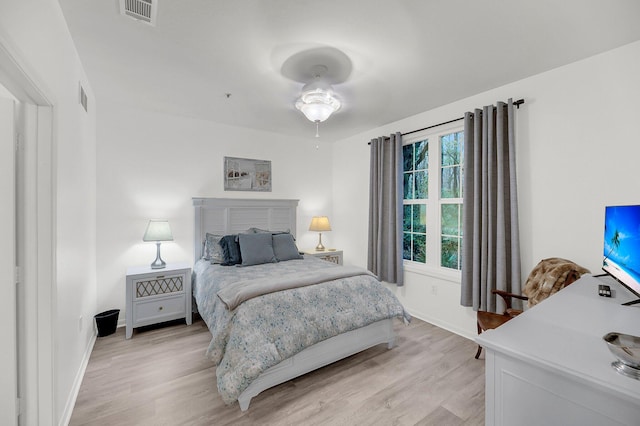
[(433, 204)]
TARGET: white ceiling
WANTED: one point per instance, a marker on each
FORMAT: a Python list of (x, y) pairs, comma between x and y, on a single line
[(405, 56)]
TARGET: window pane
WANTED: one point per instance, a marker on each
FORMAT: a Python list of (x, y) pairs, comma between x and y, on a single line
[(406, 246), (422, 154), (408, 186), (422, 185), (450, 219), (419, 248), (406, 220), (420, 218), (449, 258), (451, 182), (451, 149), (407, 157)]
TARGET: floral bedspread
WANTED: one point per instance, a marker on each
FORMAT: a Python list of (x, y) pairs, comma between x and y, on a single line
[(264, 331)]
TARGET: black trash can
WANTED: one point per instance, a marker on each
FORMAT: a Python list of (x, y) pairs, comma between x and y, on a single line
[(107, 322)]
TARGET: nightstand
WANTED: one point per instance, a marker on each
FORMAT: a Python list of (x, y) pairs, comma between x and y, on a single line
[(157, 295), (333, 256)]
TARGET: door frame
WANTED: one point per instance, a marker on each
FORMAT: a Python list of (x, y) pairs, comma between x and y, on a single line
[(8, 261), (38, 271)]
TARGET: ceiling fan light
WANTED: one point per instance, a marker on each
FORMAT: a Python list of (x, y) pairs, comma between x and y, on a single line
[(317, 102), (316, 111)]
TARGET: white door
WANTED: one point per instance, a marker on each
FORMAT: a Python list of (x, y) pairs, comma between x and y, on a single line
[(8, 354)]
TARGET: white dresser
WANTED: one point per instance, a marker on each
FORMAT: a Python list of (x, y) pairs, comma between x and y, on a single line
[(550, 366), (157, 295)]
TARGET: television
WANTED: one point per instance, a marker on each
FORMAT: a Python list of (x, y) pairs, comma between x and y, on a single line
[(621, 256)]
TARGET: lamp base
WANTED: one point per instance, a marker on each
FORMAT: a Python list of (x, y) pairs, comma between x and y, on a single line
[(320, 247), (158, 263)]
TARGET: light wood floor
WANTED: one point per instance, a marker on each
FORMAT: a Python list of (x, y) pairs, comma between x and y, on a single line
[(161, 377)]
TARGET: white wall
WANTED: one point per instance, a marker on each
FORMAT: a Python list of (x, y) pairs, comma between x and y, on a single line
[(577, 151), (36, 33), (151, 164)]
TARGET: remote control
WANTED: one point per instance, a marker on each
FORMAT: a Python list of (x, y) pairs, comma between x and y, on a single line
[(604, 290)]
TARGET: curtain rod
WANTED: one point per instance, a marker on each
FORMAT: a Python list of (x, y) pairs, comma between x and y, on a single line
[(516, 103)]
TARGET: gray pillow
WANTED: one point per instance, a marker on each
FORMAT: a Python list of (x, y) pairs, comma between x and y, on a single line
[(256, 249), (265, 231), (285, 248), (257, 231), (212, 250), (230, 250)]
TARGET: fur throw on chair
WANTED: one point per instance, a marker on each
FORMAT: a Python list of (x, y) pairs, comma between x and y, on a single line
[(550, 276)]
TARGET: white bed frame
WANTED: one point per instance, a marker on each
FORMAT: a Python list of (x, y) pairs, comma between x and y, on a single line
[(228, 216)]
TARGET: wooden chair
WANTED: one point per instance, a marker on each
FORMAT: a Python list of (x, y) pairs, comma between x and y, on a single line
[(548, 277), (489, 320)]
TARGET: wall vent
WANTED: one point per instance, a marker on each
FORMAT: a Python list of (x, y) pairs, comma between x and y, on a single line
[(142, 10), (83, 98)]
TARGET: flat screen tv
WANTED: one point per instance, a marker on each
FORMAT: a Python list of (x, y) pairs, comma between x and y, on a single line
[(621, 257)]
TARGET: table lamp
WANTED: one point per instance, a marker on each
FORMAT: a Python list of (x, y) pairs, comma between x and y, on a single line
[(158, 231), (320, 224)]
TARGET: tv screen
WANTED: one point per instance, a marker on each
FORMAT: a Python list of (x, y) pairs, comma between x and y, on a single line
[(622, 245)]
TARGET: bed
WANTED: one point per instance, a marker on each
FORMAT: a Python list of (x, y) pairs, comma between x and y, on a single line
[(263, 338)]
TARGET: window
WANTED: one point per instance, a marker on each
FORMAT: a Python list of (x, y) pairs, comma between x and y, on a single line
[(415, 158), (432, 222), (451, 147)]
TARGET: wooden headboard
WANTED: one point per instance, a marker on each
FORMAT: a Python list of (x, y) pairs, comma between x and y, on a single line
[(225, 216)]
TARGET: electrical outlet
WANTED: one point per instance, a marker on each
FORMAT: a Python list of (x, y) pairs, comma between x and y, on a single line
[(434, 290)]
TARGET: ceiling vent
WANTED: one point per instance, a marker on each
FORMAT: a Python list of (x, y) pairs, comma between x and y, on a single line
[(142, 10)]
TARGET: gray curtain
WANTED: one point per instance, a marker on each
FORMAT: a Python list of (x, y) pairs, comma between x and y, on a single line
[(385, 209), (491, 243)]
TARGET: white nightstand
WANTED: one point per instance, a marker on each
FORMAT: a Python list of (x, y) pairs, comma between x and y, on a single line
[(333, 256), (157, 295)]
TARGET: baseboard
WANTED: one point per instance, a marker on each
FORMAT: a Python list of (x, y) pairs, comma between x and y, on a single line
[(444, 325), (75, 389)]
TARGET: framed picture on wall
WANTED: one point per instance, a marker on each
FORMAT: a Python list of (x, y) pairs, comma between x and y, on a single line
[(245, 174)]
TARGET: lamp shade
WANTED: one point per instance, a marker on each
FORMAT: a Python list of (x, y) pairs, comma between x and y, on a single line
[(320, 224), (158, 230)]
